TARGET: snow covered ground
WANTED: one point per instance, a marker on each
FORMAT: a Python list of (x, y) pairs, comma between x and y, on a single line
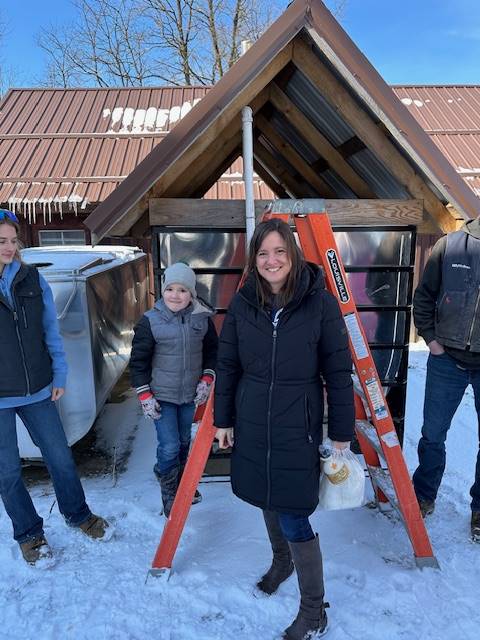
[(98, 591)]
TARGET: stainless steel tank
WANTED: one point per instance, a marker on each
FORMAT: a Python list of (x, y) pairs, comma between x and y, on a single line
[(100, 293)]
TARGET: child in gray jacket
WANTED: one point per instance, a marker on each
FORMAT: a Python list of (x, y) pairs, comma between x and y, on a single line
[(172, 367)]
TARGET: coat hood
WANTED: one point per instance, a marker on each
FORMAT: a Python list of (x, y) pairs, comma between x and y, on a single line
[(472, 227)]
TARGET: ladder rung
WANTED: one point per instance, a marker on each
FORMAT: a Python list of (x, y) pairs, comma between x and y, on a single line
[(381, 478), (390, 438), (370, 433)]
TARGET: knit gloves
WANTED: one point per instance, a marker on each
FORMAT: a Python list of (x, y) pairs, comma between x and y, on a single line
[(150, 406), (203, 387)]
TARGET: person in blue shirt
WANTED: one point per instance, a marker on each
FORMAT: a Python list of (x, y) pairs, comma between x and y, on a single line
[(33, 373)]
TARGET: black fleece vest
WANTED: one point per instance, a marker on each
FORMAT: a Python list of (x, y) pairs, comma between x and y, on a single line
[(25, 364), (457, 316)]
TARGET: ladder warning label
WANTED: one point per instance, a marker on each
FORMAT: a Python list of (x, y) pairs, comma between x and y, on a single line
[(334, 264), (376, 398), (391, 439), (356, 337)]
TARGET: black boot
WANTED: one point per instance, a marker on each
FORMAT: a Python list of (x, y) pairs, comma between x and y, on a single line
[(169, 486), (282, 565), (311, 620), (198, 496)]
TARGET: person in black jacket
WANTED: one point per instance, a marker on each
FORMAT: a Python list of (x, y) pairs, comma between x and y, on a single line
[(446, 311), (284, 335)]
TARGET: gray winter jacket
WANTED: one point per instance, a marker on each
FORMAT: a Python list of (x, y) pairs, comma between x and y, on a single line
[(170, 351), (446, 305)]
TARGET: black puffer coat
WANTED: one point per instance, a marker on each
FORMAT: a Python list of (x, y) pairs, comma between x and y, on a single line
[(269, 388)]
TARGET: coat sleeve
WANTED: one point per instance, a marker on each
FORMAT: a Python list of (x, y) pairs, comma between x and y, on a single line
[(210, 348), (52, 337), (228, 372), (143, 346), (426, 294), (336, 369)]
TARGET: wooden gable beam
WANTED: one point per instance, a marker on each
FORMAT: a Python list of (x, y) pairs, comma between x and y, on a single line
[(215, 129), (214, 176), (203, 171), (197, 173), (293, 157), (281, 173), (311, 134), (187, 212), (122, 227), (269, 180), (369, 132)]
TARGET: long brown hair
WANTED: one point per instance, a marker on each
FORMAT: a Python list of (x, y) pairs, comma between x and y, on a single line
[(264, 291), (16, 226)]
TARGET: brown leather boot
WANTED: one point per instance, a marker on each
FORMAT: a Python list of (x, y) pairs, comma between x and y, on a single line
[(282, 565), (311, 620), (35, 549), (94, 527)]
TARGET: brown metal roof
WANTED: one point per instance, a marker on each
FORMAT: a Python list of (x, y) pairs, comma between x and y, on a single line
[(451, 115), (443, 109), (89, 140), (144, 110), (69, 149), (273, 59)]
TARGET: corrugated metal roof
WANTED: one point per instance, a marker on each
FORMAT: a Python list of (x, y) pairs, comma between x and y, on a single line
[(143, 110), (443, 108), (67, 149), (64, 150), (451, 115)]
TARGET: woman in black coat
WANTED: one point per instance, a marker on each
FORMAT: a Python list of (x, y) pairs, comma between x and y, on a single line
[(284, 338)]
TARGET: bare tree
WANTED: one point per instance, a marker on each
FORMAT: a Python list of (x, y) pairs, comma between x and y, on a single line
[(197, 41), (106, 45), (7, 73), (140, 42)]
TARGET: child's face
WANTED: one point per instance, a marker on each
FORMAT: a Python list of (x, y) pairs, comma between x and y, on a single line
[(177, 297)]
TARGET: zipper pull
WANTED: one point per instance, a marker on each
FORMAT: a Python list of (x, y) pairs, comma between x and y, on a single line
[(275, 332), (15, 316), (310, 439)]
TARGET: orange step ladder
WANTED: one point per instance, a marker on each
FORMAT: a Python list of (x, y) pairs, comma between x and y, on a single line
[(373, 424)]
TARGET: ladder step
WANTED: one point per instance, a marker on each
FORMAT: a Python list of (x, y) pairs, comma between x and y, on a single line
[(369, 432), (367, 429), (381, 478)]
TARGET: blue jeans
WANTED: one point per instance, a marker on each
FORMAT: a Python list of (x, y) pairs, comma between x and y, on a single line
[(174, 432), (295, 528), (445, 385), (45, 428)]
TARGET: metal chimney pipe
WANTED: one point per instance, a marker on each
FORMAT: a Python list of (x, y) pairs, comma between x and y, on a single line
[(247, 130)]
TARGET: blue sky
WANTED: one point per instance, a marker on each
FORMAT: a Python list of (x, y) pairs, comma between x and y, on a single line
[(408, 41)]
